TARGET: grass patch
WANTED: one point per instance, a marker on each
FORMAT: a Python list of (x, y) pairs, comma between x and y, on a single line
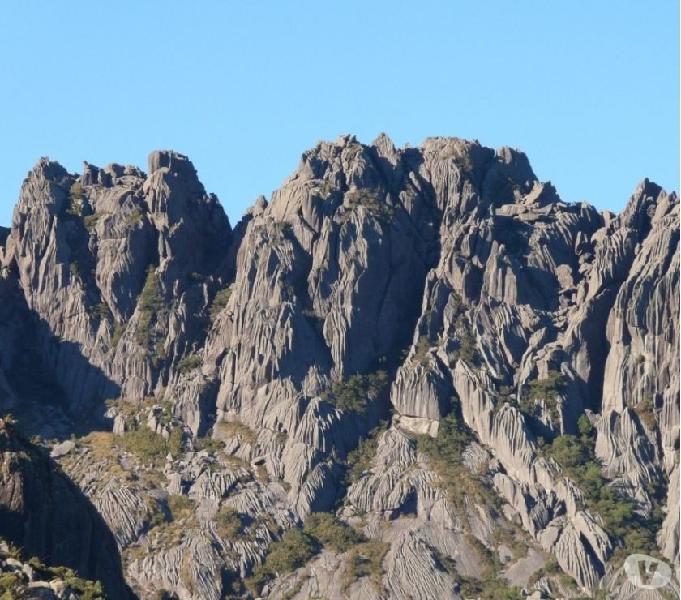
[(180, 507), (90, 221), (366, 560), (378, 209), (228, 522), (289, 553), (331, 532), (645, 410), (209, 444), (147, 445), (133, 217), (118, 330), (237, 429), (189, 363), (359, 460), (149, 303), (176, 442), (100, 443), (422, 350)]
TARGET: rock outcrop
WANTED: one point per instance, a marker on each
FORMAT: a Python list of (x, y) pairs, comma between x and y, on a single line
[(479, 379)]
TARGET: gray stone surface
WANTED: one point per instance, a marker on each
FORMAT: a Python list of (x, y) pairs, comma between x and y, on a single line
[(450, 267)]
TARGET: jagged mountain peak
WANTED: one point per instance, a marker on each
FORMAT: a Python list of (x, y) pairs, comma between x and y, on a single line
[(426, 344)]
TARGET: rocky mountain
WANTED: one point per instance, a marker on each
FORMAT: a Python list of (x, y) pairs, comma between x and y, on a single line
[(413, 373)]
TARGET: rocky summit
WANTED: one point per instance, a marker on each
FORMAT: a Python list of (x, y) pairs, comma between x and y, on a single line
[(411, 374)]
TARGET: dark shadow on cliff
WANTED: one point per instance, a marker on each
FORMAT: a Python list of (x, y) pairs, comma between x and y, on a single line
[(59, 392), (45, 514)]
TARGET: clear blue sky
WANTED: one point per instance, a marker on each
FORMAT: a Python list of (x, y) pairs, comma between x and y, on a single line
[(590, 90)]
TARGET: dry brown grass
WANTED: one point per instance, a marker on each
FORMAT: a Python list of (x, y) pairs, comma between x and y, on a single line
[(100, 443), (366, 560), (237, 429)]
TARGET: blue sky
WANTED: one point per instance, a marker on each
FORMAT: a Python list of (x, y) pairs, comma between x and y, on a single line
[(590, 90)]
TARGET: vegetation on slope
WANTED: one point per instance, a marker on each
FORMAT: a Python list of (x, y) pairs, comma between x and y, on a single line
[(356, 392), (632, 531)]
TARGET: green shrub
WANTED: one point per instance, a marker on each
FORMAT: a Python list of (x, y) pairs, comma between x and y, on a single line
[(228, 522), (552, 567), (332, 533), (91, 221), (569, 452), (366, 560), (491, 584), (360, 459), (219, 302), (452, 439), (445, 456), (149, 303), (175, 442), (237, 429), (584, 426), (291, 552), (149, 299), (488, 589), (133, 217), (547, 389), (87, 590), (630, 530), (421, 351), (209, 444), (468, 348), (189, 363), (155, 516), (75, 200), (118, 330), (378, 209), (645, 410), (180, 506), (355, 393), (9, 583), (467, 345), (460, 157), (148, 445), (100, 311)]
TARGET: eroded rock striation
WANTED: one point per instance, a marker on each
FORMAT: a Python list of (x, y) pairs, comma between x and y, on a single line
[(475, 383)]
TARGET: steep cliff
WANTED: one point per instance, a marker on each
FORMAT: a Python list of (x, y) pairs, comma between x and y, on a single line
[(477, 380), (44, 514)]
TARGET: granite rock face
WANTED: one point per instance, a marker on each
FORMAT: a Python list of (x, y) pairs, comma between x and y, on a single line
[(479, 379), (45, 514)]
